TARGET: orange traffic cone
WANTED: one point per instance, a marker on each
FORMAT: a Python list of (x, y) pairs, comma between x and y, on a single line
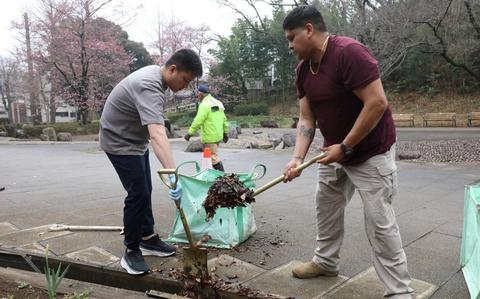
[(207, 159)]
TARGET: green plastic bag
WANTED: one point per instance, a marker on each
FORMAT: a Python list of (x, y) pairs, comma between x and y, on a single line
[(229, 227), (470, 254)]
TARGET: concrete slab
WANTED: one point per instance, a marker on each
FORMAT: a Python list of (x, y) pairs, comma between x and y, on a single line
[(164, 263), (31, 235), (6, 228), (232, 269), (35, 248), (367, 285), (93, 255), (281, 282), (455, 287), (434, 258), (79, 240), (157, 264)]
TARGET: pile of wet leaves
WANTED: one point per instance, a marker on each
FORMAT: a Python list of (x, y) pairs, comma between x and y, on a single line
[(227, 192), (196, 287)]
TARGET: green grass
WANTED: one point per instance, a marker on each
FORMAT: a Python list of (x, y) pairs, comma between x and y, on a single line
[(253, 121), (184, 119)]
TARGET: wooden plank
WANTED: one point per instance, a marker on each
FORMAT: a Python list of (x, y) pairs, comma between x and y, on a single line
[(471, 117), (404, 117), (440, 117)]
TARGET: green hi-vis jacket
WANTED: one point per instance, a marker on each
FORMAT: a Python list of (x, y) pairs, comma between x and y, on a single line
[(211, 120)]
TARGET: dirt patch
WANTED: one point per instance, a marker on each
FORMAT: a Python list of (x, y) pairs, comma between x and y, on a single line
[(12, 290)]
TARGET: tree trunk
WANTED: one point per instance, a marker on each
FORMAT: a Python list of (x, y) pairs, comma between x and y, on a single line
[(52, 106), (34, 107), (9, 100)]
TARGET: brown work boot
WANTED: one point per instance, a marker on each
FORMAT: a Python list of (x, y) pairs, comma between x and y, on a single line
[(310, 270)]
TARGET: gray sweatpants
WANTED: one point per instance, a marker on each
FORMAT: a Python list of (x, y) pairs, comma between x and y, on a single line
[(376, 182)]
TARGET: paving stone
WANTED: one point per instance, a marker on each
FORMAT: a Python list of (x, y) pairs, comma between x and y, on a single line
[(93, 255), (455, 287), (79, 240), (164, 263), (280, 281), (367, 285), (31, 235), (6, 228), (232, 269), (35, 248)]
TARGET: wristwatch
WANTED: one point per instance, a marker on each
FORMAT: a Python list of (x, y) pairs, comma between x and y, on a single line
[(347, 151)]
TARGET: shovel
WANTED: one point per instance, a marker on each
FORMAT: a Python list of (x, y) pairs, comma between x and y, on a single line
[(280, 178), (195, 258)]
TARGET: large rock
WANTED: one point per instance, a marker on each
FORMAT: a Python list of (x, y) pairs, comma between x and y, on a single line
[(408, 155), (232, 133), (269, 124), (280, 146), (264, 145), (50, 132), (251, 144), (172, 133), (194, 147), (289, 139), (274, 139), (64, 136)]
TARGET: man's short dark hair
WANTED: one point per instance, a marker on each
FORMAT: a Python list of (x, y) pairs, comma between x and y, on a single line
[(186, 60), (302, 15)]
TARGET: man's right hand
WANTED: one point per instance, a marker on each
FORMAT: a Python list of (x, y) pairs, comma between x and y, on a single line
[(187, 137), (290, 171), (175, 194)]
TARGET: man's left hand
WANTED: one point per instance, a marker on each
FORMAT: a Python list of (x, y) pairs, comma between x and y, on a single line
[(334, 154), (225, 138)]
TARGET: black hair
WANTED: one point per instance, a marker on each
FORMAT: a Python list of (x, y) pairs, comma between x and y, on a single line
[(302, 15), (186, 60)]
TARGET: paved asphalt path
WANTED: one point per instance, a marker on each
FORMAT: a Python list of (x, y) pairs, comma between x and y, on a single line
[(74, 183)]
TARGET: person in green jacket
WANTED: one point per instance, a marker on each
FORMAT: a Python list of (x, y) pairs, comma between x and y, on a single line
[(211, 120)]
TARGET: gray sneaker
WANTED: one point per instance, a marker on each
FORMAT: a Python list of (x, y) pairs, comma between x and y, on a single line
[(155, 246), (133, 262)]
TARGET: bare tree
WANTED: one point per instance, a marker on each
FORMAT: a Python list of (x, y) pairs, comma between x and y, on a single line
[(31, 82), (9, 76), (448, 34), (47, 18)]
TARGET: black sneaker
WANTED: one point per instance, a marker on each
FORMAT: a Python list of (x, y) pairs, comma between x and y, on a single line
[(155, 246), (133, 262)]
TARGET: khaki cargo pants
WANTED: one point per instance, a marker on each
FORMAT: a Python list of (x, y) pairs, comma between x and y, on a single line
[(214, 150), (376, 182)]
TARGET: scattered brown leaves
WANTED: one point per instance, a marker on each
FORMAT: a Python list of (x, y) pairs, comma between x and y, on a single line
[(195, 285)]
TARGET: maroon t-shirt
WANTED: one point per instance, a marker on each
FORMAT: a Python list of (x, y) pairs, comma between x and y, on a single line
[(346, 66)]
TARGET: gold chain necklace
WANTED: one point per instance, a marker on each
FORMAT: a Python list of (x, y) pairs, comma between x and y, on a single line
[(324, 47)]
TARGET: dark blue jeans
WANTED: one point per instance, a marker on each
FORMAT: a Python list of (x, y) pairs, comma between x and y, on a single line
[(134, 172)]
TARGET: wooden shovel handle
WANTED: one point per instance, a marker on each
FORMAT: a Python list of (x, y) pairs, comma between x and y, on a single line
[(280, 178)]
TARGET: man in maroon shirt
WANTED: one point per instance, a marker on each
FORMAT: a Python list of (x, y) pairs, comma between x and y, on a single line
[(339, 88)]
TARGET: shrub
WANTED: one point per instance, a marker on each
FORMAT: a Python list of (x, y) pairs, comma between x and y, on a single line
[(33, 131), (73, 128), (251, 109), (181, 119)]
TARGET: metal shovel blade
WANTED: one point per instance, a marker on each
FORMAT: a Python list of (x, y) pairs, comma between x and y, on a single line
[(195, 262)]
